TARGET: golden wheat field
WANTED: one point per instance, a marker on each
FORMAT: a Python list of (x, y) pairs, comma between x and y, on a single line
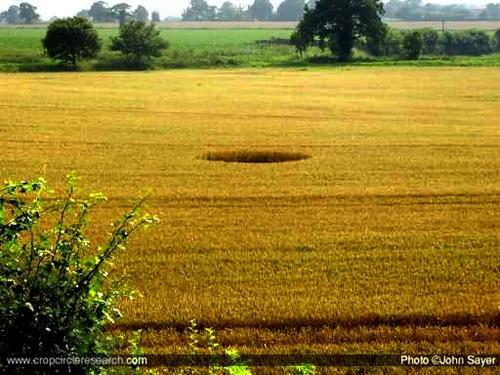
[(386, 239)]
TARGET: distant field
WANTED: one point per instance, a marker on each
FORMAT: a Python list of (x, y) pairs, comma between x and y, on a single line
[(386, 240), (189, 47), (449, 25), (31, 38)]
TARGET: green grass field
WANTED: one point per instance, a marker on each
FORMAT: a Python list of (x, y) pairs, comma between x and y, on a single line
[(21, 50), (21, 47), (384, 241)]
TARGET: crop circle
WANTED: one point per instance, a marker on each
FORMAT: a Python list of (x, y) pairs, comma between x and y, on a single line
[(254, 156)]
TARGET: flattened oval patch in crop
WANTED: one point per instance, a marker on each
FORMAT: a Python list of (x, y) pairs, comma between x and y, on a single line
[(256, 157)]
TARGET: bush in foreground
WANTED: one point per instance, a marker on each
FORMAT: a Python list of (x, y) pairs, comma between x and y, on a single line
[(71, 40), (55, 295)]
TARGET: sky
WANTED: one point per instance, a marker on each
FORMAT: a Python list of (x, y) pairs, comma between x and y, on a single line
[(64, 8)]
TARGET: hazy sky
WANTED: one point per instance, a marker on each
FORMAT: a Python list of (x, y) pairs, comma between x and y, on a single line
[(62, 8)]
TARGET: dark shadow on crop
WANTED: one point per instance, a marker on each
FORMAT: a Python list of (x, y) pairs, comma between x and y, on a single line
[(254, 157), (369, 320)]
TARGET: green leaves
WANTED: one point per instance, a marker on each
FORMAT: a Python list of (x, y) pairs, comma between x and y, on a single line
[(139, 42), (55, 292), (71, 40)]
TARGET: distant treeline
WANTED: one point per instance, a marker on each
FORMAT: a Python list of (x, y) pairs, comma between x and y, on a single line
[(292, 10), (416, 10), (260, 10), (25, 13)]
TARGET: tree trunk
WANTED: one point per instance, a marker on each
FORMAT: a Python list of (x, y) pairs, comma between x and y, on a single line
[(345, 43)]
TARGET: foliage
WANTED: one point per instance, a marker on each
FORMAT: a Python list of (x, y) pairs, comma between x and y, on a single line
[(496, 40), (141, 14), (229, 12), (139, 42), (304, 369), (374, 44), (449, 43), (412, 45), (121, 13), (468, 42), (416, 10), (491, 12), (204, 341), (99, 12), (261, 10), (155, 17), (290, 10), (71, 40), (28, 14), (11, 15), (430, 39), (199, 10), (55, 294), (340, 23)]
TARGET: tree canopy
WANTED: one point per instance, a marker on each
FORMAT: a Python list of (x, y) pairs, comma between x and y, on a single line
[(155, 16), (121, 12), (71, 40), (338, 24), (11, 15), (139, 42), (261, 10), (199, 10), (141, 14), (290, 10), (28, 14)]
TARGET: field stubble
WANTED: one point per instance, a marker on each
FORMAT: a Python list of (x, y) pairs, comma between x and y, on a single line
[(385, 240)]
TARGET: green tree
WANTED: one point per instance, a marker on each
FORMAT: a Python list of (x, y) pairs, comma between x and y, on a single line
[(155, 16), (83, 13), (71, 40), (311, 4), (199, 10), (411, 10), (28, 14), (11, 15), (412, 45), (141, 14), (430, 38), (99, 12), (491, 12), (56, 298), (290, 10), (139, 42), (228, 12), (121, 12), (376, 44), (339, 24), (261, 10)]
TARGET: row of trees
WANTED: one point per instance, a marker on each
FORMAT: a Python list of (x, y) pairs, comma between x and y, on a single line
[(411, 44), (121, 12), (261, 10), (71, 40), (24, 13), (293, 10), (416, 10), (333, 25)]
